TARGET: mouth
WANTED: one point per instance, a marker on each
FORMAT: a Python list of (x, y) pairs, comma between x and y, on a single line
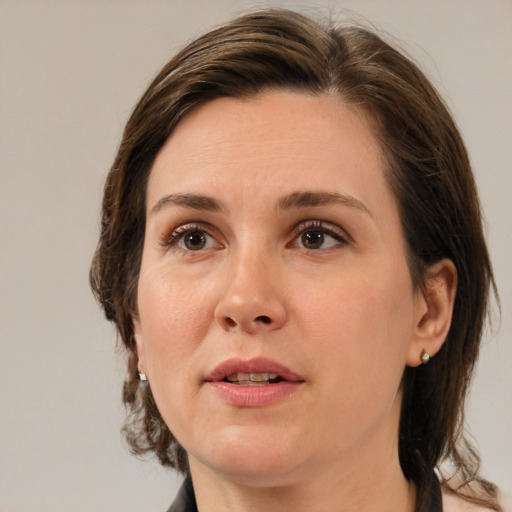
[(254, 372), (255, 383)]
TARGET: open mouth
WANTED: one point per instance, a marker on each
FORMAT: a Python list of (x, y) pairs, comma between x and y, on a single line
[(255, 382)]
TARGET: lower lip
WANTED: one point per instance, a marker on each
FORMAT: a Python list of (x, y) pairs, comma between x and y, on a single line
[(253, 396)]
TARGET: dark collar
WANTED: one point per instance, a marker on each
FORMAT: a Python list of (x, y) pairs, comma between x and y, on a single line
[(185, 500)]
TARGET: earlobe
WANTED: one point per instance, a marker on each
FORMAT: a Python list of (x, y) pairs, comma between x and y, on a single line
[(434, 312)]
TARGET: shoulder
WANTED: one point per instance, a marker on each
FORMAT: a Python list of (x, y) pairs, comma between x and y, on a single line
[(453, 503)]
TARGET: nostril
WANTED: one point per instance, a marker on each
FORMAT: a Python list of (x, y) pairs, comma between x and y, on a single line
[(263, 319), (230, 322)]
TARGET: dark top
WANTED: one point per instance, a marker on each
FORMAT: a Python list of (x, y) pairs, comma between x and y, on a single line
[(186, 502)]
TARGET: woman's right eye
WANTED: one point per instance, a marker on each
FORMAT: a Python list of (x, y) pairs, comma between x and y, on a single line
[(191, 238), (196, 241)]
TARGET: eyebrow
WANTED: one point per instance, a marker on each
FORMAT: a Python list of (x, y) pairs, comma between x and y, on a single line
[(308, 199), (295, 200), (195, 201)]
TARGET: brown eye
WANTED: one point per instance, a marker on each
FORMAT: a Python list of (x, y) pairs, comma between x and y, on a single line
[(192, 237), (318, 236), (312, 239), (195, 240)]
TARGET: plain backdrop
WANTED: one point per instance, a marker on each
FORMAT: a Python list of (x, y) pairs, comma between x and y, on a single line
[(70, 73)]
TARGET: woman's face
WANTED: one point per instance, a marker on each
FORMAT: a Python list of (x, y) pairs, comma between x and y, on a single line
[(273, 247)]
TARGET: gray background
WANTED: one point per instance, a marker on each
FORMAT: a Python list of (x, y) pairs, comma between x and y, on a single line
[(70, 72)]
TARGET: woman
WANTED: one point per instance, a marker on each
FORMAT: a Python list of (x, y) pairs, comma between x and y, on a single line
[(292, 252)]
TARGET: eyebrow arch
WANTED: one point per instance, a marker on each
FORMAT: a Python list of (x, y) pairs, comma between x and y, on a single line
[(307, 199), (195, 201)]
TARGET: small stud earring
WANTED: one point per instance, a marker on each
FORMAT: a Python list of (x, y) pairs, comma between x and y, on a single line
[(425, 357), (142, 377)]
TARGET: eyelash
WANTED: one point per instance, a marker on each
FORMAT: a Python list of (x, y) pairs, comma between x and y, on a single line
[(175, 236), (324, 228), (178, 234)]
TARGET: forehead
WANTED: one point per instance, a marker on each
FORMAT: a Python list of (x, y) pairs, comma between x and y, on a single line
[(275, 138)]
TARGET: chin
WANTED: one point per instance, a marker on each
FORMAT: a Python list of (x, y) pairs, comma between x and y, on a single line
[(247, 457)]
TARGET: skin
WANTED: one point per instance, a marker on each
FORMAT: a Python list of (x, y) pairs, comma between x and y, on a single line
[(344, 315)]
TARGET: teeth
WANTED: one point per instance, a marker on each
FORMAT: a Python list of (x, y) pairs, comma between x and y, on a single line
[(245, 378), (258, 377)]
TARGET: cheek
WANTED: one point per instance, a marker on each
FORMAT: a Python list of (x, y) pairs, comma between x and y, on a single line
[(361, 324), (358, 306), (175, 317), (360, 332)]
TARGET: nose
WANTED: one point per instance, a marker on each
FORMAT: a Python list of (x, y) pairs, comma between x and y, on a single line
[(251, 299)]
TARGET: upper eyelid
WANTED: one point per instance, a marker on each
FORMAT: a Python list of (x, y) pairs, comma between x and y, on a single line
[(321, 224)]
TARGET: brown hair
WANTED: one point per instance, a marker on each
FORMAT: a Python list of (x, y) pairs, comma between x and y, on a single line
[(428, 172)]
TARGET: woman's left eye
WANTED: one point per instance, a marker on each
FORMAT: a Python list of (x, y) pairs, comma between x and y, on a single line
[(317, 236)]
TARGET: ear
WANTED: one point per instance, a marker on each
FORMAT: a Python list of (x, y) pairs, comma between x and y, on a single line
[(139, 344), (433, 311)]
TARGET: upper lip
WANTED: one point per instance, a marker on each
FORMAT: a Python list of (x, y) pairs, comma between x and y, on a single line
[(255, 365)]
